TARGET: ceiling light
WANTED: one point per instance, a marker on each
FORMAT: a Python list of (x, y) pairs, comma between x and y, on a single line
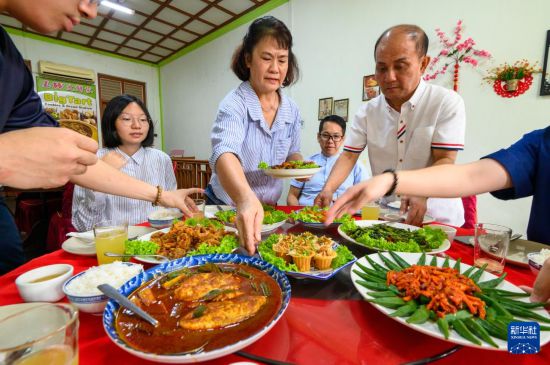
[(118, 7)]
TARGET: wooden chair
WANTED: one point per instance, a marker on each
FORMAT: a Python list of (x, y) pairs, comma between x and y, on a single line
[(191, 173)]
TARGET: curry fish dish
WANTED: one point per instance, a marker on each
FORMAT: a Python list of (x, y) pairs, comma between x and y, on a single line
[(212, 304)]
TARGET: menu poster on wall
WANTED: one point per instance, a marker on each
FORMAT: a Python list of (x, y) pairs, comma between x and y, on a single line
[(73, 104)]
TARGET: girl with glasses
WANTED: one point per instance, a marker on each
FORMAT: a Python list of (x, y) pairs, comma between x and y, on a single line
[(128, 135)]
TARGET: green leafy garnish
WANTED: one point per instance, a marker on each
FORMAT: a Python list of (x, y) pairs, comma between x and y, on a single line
[(227, 244), (271, 215), (344, 256), (204, 222), (315, 214), (263, 165), (388, 238), (140, 247)]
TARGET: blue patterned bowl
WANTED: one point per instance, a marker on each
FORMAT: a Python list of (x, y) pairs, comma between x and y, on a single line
[(134, 283)]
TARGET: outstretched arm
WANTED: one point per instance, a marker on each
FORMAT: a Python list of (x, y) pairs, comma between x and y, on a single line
[(445, 181), (340, 171)]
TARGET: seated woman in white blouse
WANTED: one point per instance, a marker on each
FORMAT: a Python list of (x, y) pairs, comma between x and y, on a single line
[(128, 134)]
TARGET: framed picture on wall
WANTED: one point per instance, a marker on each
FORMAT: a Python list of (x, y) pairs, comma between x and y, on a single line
[(325, 107), (341, 108), (545, 84), (370, 88)]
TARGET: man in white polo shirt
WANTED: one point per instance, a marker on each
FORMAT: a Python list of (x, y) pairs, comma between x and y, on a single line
[(411, 125)]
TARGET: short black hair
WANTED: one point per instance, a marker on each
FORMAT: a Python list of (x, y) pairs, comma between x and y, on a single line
[(267, 26), (414, 32), (112, 111), (334, 119)]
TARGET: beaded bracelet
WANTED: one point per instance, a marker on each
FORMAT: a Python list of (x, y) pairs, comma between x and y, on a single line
[(159, 193), (394, 184)]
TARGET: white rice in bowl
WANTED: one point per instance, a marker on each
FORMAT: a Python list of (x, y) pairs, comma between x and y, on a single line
[(163, 214), (541, 256), (115, 274)]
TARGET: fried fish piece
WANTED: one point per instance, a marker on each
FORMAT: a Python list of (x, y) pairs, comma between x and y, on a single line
[(221, 314), (197, 286)]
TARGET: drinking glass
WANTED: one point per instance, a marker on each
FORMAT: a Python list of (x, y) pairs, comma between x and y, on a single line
[(491, 243), (201, 205), (371, 211), (110, 237), (42, 334)]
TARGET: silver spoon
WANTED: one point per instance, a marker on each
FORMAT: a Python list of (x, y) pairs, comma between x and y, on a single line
[(112, 254), (112, 293)]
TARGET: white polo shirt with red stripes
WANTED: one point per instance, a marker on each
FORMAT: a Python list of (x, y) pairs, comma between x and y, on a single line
[(433, 118)]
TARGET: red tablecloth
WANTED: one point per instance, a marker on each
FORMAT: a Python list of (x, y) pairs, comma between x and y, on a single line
[(312, 331)]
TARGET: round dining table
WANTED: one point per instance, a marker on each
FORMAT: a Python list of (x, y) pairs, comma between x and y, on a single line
[(326, 322)]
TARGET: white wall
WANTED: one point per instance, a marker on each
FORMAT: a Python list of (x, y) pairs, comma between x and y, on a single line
[(334, 42), (36, 50)]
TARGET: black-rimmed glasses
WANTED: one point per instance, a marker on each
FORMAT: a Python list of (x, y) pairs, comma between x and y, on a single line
[(335, 137)]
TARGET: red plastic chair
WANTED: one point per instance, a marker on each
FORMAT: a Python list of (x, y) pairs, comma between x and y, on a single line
[(60, 222)]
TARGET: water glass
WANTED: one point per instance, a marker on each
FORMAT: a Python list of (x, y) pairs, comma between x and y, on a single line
[(110, 236), (42, 334), (201, 205), (491, 243)]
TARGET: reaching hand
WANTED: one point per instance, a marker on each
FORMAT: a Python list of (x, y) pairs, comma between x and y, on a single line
[(250, 215), (541, 289), (358, 195), (43, 157), (324, 199), (180, 199), (114, 159), (415, 208)]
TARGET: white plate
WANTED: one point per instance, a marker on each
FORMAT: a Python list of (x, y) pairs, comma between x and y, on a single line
[(396, 217), (210, 210), (395, 204), (292, 173), (444, 246), (76, 246), (147, 237), (430, 328)]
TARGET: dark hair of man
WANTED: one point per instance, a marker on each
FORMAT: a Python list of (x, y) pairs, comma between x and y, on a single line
[(260, 28), (414, 32), (112, 111), (334, 119)]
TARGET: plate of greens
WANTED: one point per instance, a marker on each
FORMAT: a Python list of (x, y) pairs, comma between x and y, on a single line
[(391, 236), (291, 169), (273, 218), (194, 236), (305, 255), (447, 299), (314, 217)]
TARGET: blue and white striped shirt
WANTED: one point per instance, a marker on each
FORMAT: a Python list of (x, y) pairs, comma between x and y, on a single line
[(240, 128), (147, 164)]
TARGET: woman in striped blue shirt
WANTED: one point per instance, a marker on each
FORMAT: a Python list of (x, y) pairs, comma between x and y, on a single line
[(255, 122), (128, 134)]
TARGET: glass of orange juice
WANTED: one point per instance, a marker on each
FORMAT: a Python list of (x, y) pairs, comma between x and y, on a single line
[(110, 236), (370, 211), (41, 333)]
